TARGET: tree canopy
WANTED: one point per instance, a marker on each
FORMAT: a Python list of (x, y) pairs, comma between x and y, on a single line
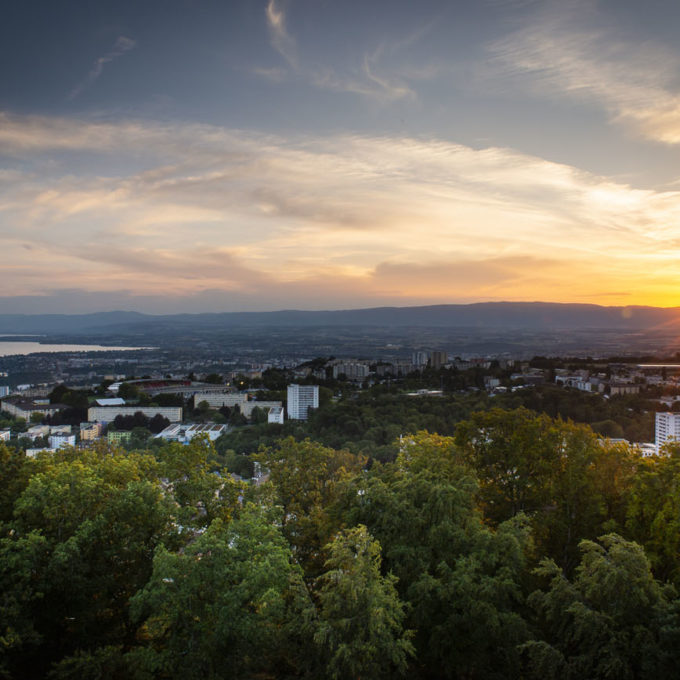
[(516, 546)]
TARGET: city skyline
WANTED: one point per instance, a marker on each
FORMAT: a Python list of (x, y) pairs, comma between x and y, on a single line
[(259, 155)]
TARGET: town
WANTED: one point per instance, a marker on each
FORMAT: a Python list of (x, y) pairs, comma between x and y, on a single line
[(142, 398)]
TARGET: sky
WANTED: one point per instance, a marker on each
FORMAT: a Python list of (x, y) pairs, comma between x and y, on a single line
[(209, 155)]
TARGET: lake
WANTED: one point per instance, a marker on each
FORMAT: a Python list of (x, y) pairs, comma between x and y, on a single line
[(10, 347)]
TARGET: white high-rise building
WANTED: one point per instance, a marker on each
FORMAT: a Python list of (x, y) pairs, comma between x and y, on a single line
[(300, 399), (419, 359), (667, 429)]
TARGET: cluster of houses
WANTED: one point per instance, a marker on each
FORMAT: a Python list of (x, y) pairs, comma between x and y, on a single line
[(103, 412)]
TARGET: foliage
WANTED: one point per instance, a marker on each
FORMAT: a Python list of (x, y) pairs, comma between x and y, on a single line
[(201, 493), (138, 419), (80, 546), (307, 477), (222, 607), (545, 468), (128, 391), (417, 561), (359, 620), (13, 478), (613, 620), (460, 579), (653, 512)]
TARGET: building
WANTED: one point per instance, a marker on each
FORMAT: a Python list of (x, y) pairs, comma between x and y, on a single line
[(275, 415), (247, 407), (218, 400), (419, 359), (5, 435), (28, 390), (646, 449), (300, 399), (25, 408), (118, 436), (37, 431), (90, 432), (58, 441), (352, 370), (438, 359), (623, 388), (32, 453), (114, 401), (185, 433), (107, 414), (61, 429), (667, 429), (4, 391)]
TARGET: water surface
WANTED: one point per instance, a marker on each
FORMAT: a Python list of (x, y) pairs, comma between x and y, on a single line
[(8, 348)]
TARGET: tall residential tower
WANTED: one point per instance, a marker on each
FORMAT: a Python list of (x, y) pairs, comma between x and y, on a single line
[(300, 399), (667, 429)]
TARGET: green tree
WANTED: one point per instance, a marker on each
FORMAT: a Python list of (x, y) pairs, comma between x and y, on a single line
[(653, 512), (201, 492), (13, 478), (128, 391), (307, 478), (274, 379), (226, 606), (81, 543), (359, 624), (236, 418), (539, 466), (460, 579), (613, 620), (22, 560), (259, 415), (139, 438), (202, 409)]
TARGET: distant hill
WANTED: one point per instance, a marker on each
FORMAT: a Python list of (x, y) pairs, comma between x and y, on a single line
[(543, 316), (66, 323)]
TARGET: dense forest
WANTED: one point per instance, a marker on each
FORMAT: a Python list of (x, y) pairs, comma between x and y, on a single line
[(371, 421), (520, 547)]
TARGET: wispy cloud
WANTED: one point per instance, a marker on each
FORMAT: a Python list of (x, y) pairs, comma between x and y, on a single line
[(282, 41), (331, 218), (367, 80), (635, 82), (121, 46), (274, 73)]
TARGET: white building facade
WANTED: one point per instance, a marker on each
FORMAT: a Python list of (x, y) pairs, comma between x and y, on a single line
[(217, 400), (667, 429), (58, 441), (185, 433), (275, 415), (300, 399), (107, 414)]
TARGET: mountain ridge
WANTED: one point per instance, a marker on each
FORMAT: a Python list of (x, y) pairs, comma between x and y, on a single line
[(491, 315)]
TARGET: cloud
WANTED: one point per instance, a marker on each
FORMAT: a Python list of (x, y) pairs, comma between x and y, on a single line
[(318, 221), (367, 80), (634, 82), (274, 73), (121, 46), (282, 41)]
